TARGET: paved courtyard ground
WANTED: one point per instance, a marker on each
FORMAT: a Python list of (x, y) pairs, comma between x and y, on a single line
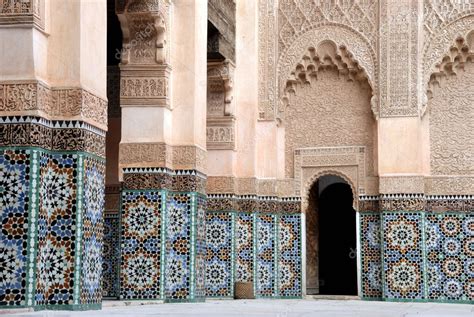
[(277, 308)]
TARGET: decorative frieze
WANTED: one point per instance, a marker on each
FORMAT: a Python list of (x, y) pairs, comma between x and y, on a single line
[(37, 99), (140, 87), (22, 12), (402, 202), (401, 184), (158, 154), (51, 135), (220, 133)]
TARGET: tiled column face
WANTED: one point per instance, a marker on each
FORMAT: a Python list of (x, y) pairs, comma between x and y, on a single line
[(403, 263), (450, 256), (371, 256), (185, 257), (142, 245), (111, 256), (16, 191), (219, 264), (244, 247), (58, 226), (265, 264), (52, 199), (289, 255)]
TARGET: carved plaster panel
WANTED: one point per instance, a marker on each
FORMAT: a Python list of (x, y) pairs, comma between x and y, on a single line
[(145, 87), (451, 124), (441, 31), (220, 106), (330, 111), (35, 98), (301, 24), (399, 58), (145, 28), (401, 184), (449, 185)]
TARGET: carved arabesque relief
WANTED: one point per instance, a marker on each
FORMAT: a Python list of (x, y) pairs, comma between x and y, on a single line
[(350, 40), (327, 104), (220, 105), (451, 111), (326, 57), (288, 27), (144, 27), (25, 12), (439, 42)]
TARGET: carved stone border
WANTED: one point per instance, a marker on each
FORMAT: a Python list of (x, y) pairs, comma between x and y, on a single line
[(34, 98), (159, 154), (23, 12), (350, 160)]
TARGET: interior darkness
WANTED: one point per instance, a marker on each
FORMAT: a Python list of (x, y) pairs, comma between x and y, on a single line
[(114, 35), (337, 241)]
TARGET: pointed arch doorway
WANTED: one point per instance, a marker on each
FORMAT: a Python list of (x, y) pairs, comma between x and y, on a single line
[(331, 238)]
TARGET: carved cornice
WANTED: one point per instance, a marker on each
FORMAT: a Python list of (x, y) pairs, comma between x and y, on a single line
[(158, 154), (22, 12), (37, 99)]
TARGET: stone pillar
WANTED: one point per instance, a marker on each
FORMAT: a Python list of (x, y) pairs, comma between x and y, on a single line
[(53, 118), (162, 151)]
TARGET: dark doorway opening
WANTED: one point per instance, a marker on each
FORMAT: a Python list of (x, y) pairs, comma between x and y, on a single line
[(333, 237)]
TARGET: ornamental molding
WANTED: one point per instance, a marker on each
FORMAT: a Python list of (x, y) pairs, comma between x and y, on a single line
[(159, 154), (34, 98), (148, 86), (22, 13), (349, 161)]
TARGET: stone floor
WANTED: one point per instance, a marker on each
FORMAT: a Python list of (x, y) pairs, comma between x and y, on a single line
[(277, 308)]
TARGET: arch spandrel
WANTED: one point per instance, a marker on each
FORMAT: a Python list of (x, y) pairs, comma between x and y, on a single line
[(438, 45), (342, 36)]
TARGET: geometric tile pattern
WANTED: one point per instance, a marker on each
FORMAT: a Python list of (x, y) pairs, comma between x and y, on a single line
[(219, 254), (201, 248), (402, 234), (178, 279), (141, 245), (371, 257), (244, 247), (265, 255), (57, 228), (111, 256), (450, 256), (15, 174), (92, 230), (289, 255)]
